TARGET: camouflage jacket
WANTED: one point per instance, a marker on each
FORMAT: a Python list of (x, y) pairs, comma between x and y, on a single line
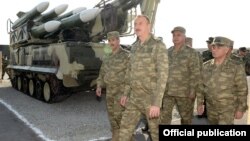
[(207, 55), (184, 71), (246, 59), (113, 69), (148, 71), (226, 82), (236, 58), (200, 61), (4, 62)]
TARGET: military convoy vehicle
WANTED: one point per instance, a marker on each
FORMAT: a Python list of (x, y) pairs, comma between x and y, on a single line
[(52, 54)]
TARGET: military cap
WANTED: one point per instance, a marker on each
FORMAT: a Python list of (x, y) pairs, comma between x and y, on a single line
[(113, 34), (180, 29), (219, 40), (243, 49), (232, 44), (210, 40)]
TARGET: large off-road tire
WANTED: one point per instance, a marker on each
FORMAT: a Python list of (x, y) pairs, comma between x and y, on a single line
[(48, 95), (54, 91), (14, 82), (56, 86), (31, 87), (25, 85), (39, 90), (19, 83)]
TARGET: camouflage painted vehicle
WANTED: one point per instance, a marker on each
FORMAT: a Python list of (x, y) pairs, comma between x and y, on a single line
[(53, 54)]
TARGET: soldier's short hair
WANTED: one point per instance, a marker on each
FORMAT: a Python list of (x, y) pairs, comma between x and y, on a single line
[(143, 16)]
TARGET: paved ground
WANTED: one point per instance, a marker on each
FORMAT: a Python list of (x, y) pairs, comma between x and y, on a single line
[(13, 129), (78, 118)]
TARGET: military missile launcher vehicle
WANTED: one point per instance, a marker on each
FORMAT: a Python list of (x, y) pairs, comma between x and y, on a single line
[(52, 53)]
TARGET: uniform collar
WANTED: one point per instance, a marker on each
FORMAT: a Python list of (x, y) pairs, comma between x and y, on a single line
[(119, 51), (147, 40), (225, 62), (183, 47)]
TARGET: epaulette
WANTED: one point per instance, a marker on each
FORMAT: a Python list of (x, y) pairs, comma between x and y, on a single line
[(190, 48), (126, 47), (236, 62), (125, 50), (158, 39), (208, 62)]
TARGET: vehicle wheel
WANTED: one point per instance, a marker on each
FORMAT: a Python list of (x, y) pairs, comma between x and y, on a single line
[(47, 94), (39, 89), (19, 83), (56, 86), (14, 82), (31, 87), (25, 85)]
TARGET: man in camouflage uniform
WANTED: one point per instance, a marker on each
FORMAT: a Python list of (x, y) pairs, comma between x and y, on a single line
[(147, 77), (242, 52), (4, 65), (224, 85), (189, 43), (235, 57), (207, 55), (245, 58), (183, 80), (111, 76)]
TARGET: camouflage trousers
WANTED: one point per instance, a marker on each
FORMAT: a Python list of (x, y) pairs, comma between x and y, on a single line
[(220, 112), (136, 108), (113, 106), (3, 71), (185, 107)]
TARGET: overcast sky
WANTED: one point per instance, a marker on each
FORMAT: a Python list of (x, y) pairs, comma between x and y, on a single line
[(201, 18)]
